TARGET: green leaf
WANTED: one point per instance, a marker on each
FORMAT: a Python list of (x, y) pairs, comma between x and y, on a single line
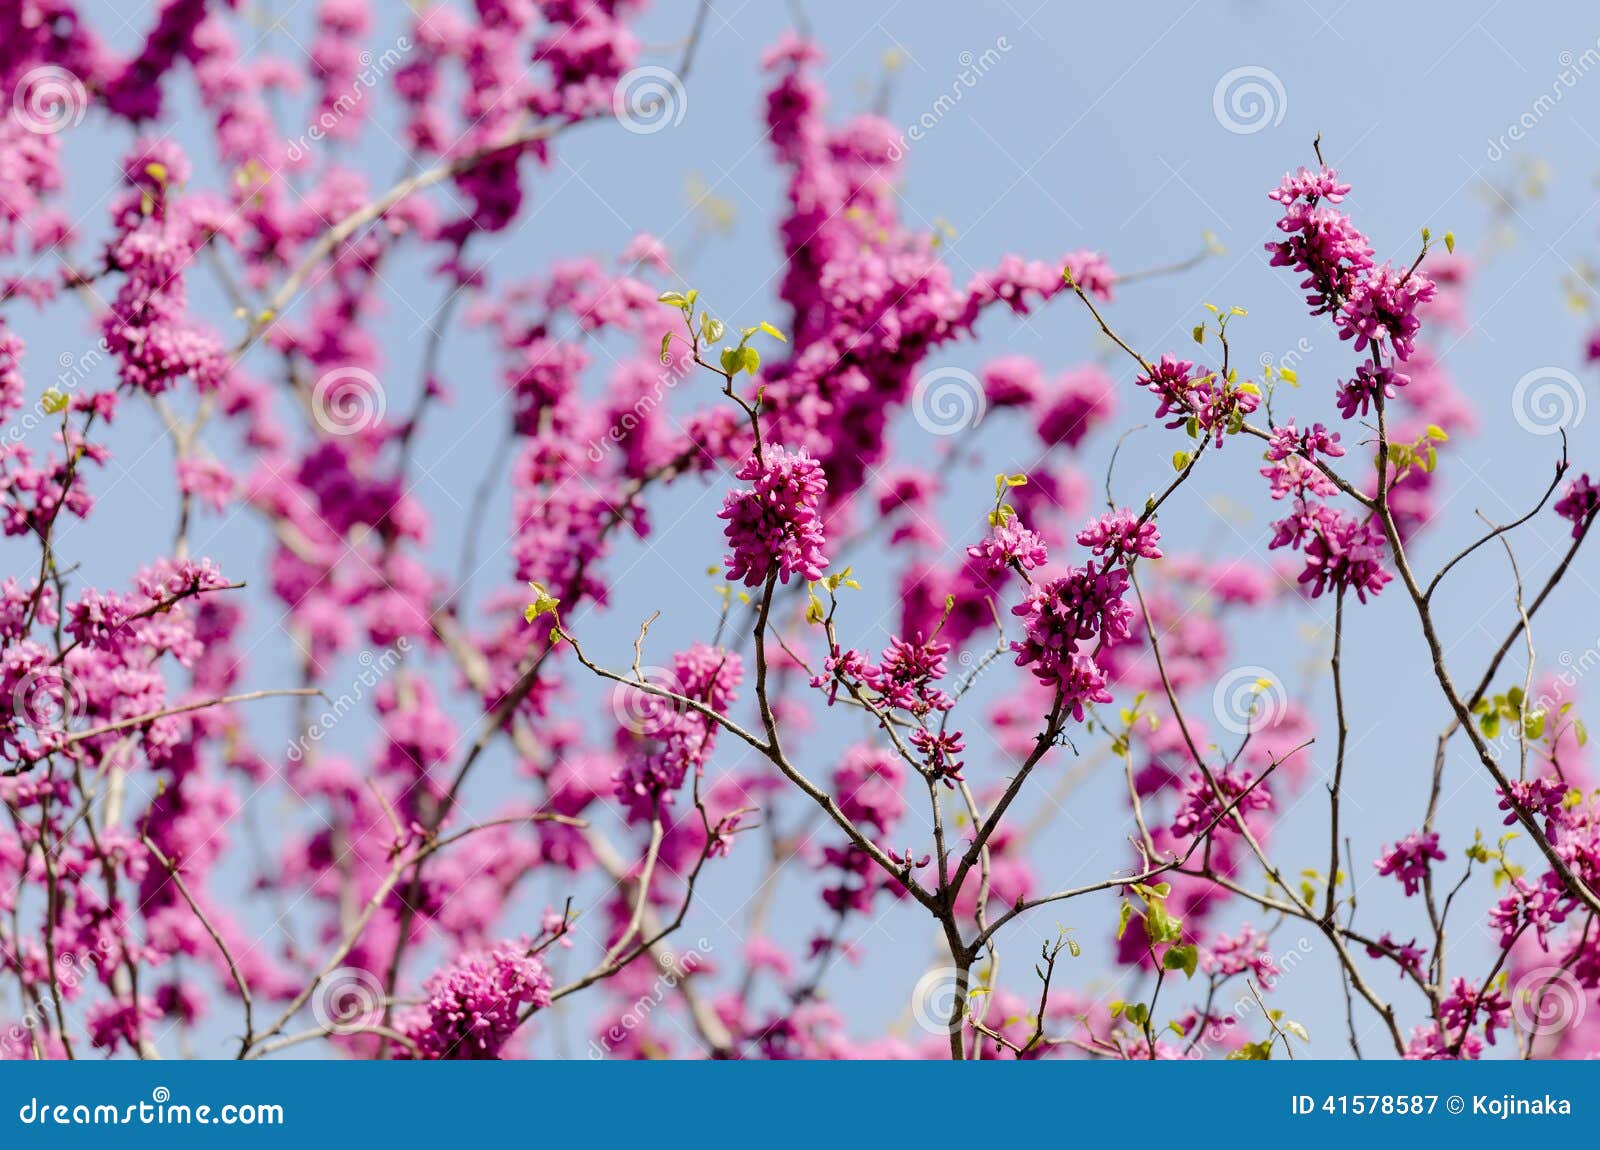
[(1180, 460), (1450, 242), (1252, 1052), (773, 332), (1199, 333), (543, 603), (55, 401), (1184, 958), (751, 360), (1297, 1030)]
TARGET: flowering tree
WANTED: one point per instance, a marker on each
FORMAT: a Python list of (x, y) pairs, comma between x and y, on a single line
[(133, 745)]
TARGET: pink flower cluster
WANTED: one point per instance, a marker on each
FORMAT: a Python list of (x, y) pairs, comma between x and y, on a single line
[(668, 739), (474, 1005), (1216, 406), (776, 525), (1410, 858)]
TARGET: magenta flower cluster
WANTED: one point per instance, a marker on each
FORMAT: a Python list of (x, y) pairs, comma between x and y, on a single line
[(482, 805), (776, 525), (474, 1005)]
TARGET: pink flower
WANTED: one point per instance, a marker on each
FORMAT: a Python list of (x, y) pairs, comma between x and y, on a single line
[(1408, 859), (1007, 544), (1012, 381), (1292, 457), (1578, 503), (1091, 272), (1322, 241), (1082, 400), (1059, 617), (207, 479), (475, 1003), (777, 524), (1383, 306), (1122, 534), (1217, 406), (1361, 393), (906, 677), (1201, 807), (1341, 552)]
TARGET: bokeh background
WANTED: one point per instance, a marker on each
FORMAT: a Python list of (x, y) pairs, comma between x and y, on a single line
[(1092, 126)]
